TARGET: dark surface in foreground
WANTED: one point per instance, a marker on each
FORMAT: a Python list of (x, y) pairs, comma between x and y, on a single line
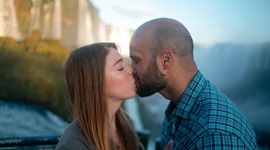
[(31, 143)]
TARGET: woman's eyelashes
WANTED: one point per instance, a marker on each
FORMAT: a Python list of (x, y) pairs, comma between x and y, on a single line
[(121, 69)]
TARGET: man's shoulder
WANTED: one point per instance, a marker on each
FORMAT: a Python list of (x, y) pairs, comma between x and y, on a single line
[(223, 140), (218, 112), (218, 115), (213, 101)]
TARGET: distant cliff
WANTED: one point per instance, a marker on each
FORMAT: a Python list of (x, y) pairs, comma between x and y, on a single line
[(73, 22)]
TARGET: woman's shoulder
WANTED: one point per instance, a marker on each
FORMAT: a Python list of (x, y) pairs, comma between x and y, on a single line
[(73, 138)]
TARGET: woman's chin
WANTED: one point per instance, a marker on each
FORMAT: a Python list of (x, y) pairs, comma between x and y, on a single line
[(132, 95)]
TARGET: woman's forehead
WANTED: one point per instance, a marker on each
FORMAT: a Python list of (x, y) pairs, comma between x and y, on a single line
[(113, 57)]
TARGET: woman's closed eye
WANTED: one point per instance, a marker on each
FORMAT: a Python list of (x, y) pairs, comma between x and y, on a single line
[(121, 69)]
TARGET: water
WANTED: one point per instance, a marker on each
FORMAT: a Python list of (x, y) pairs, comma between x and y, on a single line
[(24, 120)]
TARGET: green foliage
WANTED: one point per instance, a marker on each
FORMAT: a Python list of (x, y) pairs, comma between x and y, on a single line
[(33, 71), (31, 41)]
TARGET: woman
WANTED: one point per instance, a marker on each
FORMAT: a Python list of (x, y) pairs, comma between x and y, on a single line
[(98, 81)]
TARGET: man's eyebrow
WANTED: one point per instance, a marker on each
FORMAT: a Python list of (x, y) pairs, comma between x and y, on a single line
[(133, 57), (119, 60)]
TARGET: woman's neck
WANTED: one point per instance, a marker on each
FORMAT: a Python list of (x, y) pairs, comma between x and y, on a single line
[(113, 107)]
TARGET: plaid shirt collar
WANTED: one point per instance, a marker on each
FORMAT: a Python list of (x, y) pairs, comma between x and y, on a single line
[(184, 106)]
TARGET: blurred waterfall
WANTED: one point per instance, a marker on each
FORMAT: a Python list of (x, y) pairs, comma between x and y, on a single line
[(243, 73), (84, 24), (35, 16), (47, 18), (46, 30), (80, 26), (8, 20), (56, 32)]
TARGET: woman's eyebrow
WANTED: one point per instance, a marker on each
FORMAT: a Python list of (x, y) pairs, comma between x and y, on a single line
[(119, 60)]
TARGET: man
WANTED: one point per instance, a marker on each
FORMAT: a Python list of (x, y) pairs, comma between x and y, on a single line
[(199, 115)]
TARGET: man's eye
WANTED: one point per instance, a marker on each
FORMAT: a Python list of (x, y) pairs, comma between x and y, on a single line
[(135, 61), (121, 69)]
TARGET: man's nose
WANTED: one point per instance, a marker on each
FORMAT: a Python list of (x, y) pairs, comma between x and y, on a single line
[(130, 70), (132, 65)]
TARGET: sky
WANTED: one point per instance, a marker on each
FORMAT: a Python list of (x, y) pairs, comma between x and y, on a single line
[(209, 22)]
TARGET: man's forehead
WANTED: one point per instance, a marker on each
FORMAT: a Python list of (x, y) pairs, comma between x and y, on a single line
[(133, 53), (140, 54)]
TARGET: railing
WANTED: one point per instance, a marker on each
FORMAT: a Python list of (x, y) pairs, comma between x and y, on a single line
[(157, 143), (143, 136), (29, 143)]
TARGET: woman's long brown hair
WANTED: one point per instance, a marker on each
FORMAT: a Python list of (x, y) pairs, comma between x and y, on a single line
[(84, 72)]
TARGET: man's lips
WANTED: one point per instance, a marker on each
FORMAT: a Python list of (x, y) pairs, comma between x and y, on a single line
[(136, 82)]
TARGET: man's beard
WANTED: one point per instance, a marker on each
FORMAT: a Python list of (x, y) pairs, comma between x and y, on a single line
[(151, 82)]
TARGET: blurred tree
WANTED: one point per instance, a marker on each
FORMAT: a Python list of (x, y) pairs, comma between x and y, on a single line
[(33, 71)]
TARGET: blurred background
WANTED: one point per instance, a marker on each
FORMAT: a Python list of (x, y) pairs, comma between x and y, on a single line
[(232, 50)]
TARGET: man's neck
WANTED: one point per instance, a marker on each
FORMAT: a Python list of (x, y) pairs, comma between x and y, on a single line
[(177, 85)]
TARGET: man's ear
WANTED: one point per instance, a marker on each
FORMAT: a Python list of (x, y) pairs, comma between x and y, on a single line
[(167, 59)]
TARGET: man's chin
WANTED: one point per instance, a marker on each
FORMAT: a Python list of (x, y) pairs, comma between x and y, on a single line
[(144, 94)]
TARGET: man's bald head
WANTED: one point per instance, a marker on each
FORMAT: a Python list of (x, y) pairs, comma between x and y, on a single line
[(166, 33)]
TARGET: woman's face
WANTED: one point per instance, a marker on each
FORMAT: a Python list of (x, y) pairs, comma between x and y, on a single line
[(119, 81)]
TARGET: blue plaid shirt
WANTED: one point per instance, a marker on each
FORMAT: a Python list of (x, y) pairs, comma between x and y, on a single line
[(205, 118)]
